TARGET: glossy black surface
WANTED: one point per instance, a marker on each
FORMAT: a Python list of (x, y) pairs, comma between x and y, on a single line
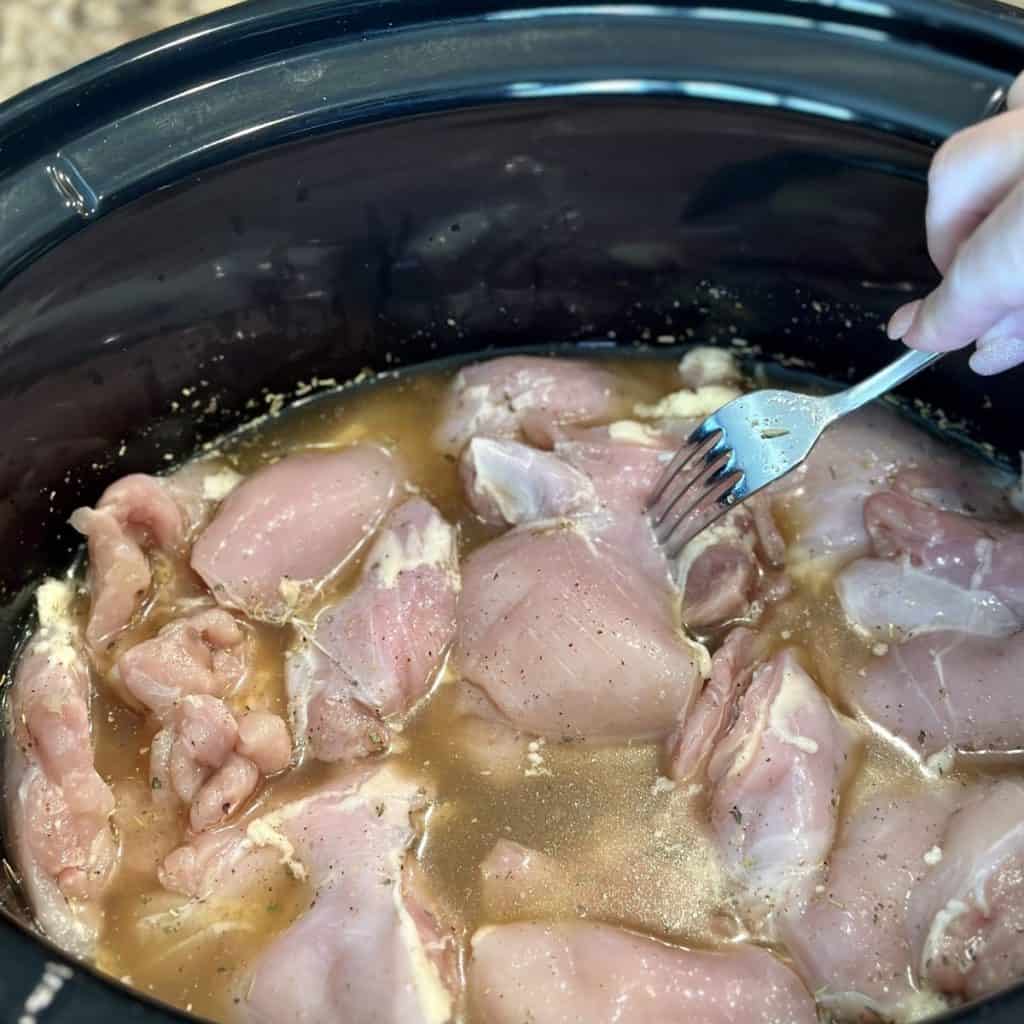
[(350, 185)]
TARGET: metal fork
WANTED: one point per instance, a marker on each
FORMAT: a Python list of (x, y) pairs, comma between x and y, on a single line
[(750, 443)]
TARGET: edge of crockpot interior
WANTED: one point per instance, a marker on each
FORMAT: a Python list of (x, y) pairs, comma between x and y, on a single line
[(90, 159)]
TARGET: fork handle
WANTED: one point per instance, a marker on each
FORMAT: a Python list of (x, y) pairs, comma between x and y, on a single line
[(878, 384)]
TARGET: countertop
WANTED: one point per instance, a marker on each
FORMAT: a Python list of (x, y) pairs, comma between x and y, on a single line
[(39, 38)]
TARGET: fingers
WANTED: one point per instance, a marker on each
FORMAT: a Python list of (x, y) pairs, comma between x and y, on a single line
[(1001, 346), (970, 175), (1015, 97), (984, 283), (900, 321)]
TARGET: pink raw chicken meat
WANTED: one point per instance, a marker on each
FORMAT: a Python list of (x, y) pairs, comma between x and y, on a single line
[(575, 972), (849, 941), (946, 691), (967, 914), (508, 483), (776, 779), (569, 639), (601, 477), (697, 734), (59, 807), (135, 516), (523, 397), (288, 528), (202, 756), (206, 652), (982, 558), (860, 456), (371, 948), (212, 761), (375, 653)]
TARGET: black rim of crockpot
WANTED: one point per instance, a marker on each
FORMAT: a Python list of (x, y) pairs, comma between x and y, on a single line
[(164, 109), (266, 72)]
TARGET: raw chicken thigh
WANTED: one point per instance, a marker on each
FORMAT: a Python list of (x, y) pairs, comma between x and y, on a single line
[(860, 455), (967, 915), (950, 587), (203, 755), (138, 519), (290, 527), (373, 655), (698, 732), (569, 640), (571, 972), (523, 397), (944, 692), (59, 807), (849, 941), (923, 897), (508, 483), (776, 779), (135, 514), (370, 948), (935, 570)]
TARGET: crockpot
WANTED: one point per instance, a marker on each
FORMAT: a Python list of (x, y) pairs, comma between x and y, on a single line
[(293, 190)]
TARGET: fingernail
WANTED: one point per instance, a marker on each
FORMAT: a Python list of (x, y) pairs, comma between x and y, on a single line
[(901, 320), (994, 355)]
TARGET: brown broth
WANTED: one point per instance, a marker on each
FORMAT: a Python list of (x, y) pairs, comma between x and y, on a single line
[(636, 848)]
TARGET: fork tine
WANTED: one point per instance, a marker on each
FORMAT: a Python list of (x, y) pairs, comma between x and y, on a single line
[(691, 469), (716, 462), (697, 444), (714, 504)]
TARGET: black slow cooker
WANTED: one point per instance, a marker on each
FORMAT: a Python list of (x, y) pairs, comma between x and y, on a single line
[(293, 189)]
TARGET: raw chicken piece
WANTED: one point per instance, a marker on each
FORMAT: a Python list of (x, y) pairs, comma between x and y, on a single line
[(897, 600), (967, 914), (721, 571), (569, 639), (696, 735), (946, 691), (203, 653), (202, 756), (849, 941), (376, 653), (969, 553), (523, 397), (134, 514), (291, 526), (58, 807), (776, 779), (213, 762), (507, 483), (369, 949), (601, 477), (623, 462), (263, 738), (718, 571), (859, 456), (576, 972)]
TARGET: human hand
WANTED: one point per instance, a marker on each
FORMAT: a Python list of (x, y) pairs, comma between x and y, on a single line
[(975, 226)]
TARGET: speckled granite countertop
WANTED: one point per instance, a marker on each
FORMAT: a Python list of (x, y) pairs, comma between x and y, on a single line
[(39, 38)]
